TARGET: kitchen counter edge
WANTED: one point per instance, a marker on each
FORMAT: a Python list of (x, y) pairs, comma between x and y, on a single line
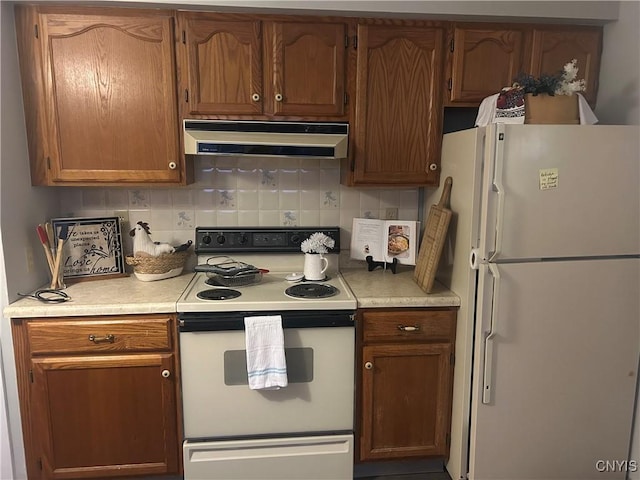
[(130, 296)]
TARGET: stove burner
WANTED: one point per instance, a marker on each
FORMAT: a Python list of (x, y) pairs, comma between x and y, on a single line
[(311, 290), (218, 294)]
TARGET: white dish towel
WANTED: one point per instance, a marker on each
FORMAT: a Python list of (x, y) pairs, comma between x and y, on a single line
[(264, 338)]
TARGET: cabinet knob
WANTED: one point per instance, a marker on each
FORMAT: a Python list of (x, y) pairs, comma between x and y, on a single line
[(368, 365), (433, 167), (278, 97), (166, 373), (109, 338), (409, 328), (255, 97), (173, 165)]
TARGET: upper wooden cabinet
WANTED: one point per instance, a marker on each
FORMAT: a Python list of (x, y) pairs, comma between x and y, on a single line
[(398, 112), (483, 60), (242, 65), (105, 89), (100, 95), (222, 63), (306, 68), (553, 47)]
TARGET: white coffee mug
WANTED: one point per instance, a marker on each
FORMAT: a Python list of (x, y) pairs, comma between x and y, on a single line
[(315, 264)]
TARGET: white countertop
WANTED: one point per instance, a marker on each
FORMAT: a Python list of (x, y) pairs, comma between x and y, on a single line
[(113, 296), (129, 296), (382, 288)]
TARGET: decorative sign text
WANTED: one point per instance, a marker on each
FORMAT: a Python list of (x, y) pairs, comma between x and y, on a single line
[(93, 246)]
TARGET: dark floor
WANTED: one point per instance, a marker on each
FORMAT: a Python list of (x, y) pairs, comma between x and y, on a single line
[(423, 469), (412, 476), (408, 476)]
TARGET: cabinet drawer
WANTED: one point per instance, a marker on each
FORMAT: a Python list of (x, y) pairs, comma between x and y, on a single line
[(420, 325), (99, 336)]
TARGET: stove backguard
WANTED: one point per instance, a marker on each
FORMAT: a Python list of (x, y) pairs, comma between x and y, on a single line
[(223, 240)]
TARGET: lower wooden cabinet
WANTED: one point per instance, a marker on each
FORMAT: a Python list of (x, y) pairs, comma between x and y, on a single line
[(98, 396), (405, 372)]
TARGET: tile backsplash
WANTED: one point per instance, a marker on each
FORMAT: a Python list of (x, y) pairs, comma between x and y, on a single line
[(243, 191)]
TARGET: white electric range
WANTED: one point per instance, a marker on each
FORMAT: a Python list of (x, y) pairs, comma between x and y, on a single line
[(302, 430)]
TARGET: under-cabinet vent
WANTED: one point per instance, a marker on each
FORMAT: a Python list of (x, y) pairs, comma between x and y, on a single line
[(279, 139)]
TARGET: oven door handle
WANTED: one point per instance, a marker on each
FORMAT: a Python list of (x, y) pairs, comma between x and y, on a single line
[(212, 322)]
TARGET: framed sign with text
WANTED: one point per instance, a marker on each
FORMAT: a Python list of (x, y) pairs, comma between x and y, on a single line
[(92, 248)]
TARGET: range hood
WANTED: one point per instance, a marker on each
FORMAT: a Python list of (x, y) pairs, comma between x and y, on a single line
[(271, 139)]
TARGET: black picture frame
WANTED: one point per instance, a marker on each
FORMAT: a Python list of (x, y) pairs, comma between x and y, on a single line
[(93, 248)]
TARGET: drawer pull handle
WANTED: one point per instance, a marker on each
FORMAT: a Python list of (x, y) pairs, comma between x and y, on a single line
[(408, 328), (166, 373), (106, 339), (368, 365)]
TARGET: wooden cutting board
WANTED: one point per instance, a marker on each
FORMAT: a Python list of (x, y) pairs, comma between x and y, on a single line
[(435, 232)]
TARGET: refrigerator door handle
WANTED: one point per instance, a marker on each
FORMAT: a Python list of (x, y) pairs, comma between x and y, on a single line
[(499, 189), (487, 382), (473, 259)]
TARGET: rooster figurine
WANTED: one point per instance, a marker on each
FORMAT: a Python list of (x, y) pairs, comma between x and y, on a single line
[(144, 246)]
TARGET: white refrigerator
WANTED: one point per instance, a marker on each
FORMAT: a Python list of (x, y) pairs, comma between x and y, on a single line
[(544, 251)]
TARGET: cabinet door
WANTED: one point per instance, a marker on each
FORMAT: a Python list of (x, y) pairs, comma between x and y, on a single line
[(554, 47), (223, 62), (104, 416), (307, 69), (110, 93), (406, 393), (398, 121), (398, 124), (483, 61)]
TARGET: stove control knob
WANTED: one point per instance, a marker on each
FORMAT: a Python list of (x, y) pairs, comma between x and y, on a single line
[(206, 239), (220, 239), (295, 239), (243, 239)]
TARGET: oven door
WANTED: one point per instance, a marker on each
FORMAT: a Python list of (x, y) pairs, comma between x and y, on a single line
[(217, 402)]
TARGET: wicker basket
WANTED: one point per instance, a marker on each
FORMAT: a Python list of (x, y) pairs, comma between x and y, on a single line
[(167, 265)]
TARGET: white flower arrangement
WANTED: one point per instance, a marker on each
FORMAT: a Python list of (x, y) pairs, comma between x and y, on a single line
[(317, 243), (568, 84), (561, 83)]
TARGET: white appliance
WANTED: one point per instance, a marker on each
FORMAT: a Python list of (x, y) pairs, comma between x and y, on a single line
[(304, 430), (543, 250), (266, 139)]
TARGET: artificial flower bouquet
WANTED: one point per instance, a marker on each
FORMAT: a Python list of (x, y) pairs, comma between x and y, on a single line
[(317, 243), (561, 83), (550, 99)]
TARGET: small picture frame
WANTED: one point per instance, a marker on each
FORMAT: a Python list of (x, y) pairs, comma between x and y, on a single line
[(93, 248)]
